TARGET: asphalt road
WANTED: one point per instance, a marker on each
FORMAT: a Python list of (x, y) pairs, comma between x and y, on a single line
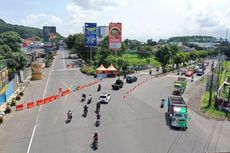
[(131, 124)]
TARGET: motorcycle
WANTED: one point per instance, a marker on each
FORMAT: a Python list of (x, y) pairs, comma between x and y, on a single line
[(97, 123), (89, 100), (85, 112), (99, 88), (98, 107), (69, 118), (82, 99), (162, 103), (95, 144)]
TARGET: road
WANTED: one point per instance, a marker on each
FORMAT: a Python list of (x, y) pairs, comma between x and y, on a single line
[(130, 123)]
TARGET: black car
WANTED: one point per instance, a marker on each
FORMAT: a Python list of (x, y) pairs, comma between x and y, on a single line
[(119, 84), (131, 79)]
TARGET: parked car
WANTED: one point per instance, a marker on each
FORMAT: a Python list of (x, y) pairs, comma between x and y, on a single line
[(189, 73), (105, 98), (131, 79), (199, 72)]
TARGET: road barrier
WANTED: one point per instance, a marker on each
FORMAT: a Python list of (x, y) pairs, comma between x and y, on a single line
[(39, 102), (19, 107), (51, 98), (30, 105), (46, 100)]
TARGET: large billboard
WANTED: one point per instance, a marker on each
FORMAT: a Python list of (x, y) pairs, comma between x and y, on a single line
[(90, 34), (49, 33), (115, 36)]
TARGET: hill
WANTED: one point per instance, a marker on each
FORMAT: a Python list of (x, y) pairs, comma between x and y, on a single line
[(23, 31)]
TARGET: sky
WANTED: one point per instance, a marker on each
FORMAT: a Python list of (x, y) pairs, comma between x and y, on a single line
[(141, 19)]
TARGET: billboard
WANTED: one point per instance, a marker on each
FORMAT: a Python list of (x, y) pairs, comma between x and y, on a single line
[(115, 36), (3, 80), (49, 33), (90, 34)]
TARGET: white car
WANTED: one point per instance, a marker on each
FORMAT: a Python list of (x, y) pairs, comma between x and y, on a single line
[(105, 97)]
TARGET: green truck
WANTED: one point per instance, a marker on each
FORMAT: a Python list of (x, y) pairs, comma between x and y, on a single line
[(179, 86), (177, 112)]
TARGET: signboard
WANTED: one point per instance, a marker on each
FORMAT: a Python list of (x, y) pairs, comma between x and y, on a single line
[(115, 36), (214, 82), (49, 33), (3, 80), (90, 34)]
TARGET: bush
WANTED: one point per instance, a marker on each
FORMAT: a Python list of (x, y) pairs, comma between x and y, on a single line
[(1, 119)]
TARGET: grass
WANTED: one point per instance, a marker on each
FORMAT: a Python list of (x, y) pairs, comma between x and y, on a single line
[(211, 111), (225, 71)]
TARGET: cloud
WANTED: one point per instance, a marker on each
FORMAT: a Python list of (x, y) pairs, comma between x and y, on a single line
[(209, 17), (99, 4), (39, 20)]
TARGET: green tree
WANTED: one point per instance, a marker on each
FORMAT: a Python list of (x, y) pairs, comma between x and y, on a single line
[(12, 39), (163, 55)]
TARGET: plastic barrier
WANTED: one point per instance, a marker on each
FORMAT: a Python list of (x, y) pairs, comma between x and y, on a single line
[(19, 107), (30, 105), (46, 100), (39, 102), (56, 96), (52, 98)]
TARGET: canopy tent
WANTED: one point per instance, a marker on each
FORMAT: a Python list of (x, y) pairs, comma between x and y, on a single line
[(101, 69), (111, 68), (112, 71)]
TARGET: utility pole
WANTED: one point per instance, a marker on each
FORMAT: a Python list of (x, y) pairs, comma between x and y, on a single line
[(210, 89)]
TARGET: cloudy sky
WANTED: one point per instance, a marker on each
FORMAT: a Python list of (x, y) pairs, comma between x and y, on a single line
[(141, 19)]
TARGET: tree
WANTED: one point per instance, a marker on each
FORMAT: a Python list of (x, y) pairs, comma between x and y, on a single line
[(179, 58), (10, 53), (163, 56), (12, 39)]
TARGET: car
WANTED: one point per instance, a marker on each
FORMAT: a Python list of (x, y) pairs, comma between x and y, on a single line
[(199, 72), (105, 98), (131, 79), (117, 85), (189, 73)]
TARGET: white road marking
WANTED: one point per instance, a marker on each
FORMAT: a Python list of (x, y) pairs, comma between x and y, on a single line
[(63, 60), (43, 96)]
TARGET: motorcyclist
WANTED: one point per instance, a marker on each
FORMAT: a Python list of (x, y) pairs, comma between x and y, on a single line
[(95, 137), (99, 87), (85, 108), (83, 95), (90, 99), (192, 77), (162, 102), (98, 116), (69, 114), (98, 106)]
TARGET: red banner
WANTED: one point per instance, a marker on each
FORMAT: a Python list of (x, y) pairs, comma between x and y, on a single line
[(115, 36)]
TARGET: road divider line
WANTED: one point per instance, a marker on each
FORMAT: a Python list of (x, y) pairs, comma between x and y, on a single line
[(46, 86)]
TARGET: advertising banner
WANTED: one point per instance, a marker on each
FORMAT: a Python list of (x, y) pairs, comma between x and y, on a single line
[(115, 36), (49, 33), (90, 34)]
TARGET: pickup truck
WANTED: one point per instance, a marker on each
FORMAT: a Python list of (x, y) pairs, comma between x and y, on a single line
[(177, 111), (118, 84), (179, 86)]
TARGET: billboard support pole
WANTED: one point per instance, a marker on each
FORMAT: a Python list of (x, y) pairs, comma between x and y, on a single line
[(91, 57)]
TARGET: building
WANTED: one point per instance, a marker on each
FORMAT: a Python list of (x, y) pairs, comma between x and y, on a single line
[(102, 33)]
